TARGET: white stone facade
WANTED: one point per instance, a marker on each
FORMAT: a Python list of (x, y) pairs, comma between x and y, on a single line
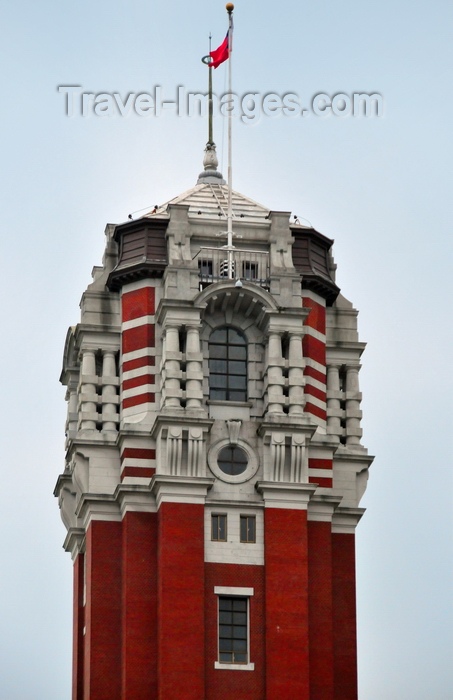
[(300, 425)]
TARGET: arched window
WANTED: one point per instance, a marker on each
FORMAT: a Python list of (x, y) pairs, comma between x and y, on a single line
[(227, 365)]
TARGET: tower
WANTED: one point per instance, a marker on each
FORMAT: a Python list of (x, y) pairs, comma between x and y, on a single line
[(214, 465)]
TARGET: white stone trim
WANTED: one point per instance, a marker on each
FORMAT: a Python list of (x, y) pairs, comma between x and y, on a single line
[(321, 508), (326, 473), (321, 386), (245, 593), (137, 354), (138, 390), (309, 398), (138, 412), (141, 442), (234, 590), (218, 410), (310, 294), (319, 451), (315, 365), (105, 517), (134, 500), (136, 480), (234, 667), (139, 284), (345, 520), (181, 498), (286, 495), (345, 529), (138, 322), (313, 333), (286, 504), (140, 371), (97, 507), (138, 508), (233, 551), (180, 489), (137, 462)]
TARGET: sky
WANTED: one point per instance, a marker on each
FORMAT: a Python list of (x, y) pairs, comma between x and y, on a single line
[(379, 186)]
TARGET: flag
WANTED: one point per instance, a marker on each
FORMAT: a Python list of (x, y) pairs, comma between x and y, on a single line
[(222, 53)]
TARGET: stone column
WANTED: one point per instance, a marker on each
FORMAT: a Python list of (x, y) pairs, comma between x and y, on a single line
[(88, 396), (71, 396), (353, 412), (194, 368), (172, 369), (275, 378), (296, 375), (109, 410), (333, 400)]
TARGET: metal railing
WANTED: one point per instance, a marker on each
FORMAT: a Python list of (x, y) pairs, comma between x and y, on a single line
[(217, 264)]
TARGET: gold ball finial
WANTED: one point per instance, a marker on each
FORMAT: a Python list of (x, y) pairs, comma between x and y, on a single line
[(229, 7)]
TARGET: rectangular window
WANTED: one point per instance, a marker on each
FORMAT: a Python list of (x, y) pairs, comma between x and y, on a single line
[(227, 365), (205, 268), (233, 630), (248, 528), (219, 527), (250, 270)]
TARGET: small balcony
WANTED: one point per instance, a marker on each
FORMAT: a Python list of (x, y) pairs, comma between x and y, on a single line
[(217, 264)]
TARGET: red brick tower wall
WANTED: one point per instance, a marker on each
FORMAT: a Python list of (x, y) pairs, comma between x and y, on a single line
[(286, 604), (344, 617), (139, 606), (102, 663)]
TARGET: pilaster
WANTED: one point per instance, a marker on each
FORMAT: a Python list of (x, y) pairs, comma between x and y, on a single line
[(181, 586)]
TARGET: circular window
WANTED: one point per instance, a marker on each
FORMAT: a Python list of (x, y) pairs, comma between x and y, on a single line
[(233, 463), (232, 460)]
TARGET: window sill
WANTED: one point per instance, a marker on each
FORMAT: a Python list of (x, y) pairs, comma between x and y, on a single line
[(234, 667), (241, 404), (233, 410)]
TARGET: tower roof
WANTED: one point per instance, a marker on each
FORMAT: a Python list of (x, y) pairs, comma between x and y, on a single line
[(210, 201)]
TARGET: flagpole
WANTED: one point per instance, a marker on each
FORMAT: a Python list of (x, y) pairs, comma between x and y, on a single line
[(229, 9), (210, 105)]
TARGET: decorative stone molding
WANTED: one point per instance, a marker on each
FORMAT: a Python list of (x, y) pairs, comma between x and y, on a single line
[(278, 452), (234, 427), (285, 450), (174, 489), (345, 520), (285, 495), (322, 507), (298, 470), (181, 445)]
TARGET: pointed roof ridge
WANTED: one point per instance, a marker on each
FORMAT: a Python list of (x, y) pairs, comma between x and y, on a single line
[(211, 199)]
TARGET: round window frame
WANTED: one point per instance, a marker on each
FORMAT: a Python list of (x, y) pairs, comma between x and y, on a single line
[(250, 471)]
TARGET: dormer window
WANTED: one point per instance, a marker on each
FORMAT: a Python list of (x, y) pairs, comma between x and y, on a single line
[(227, 365)]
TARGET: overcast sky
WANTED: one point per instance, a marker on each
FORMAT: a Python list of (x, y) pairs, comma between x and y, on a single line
[(381, 187)]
